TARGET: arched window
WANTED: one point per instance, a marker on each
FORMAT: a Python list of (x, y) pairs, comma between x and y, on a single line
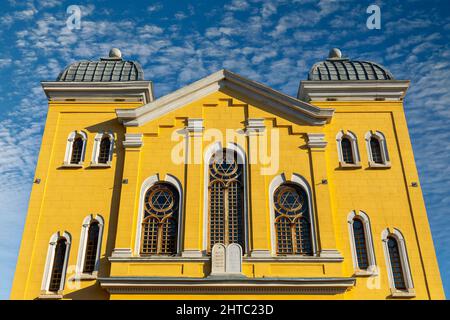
[(399, 272), (225, 199), (377, 149), (160, 222), (348, 152), (360, 244), (292, 221), (75, 148), (91, 247), (56, 263), (396, 264), (103, 149)]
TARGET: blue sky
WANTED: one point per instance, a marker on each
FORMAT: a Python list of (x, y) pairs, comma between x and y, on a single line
[(177, 42)]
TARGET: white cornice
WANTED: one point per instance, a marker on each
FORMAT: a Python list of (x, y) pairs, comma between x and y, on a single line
[(316, 141), (99, 91), (365, 90), (133, 140), (226, 285), (224, 80)]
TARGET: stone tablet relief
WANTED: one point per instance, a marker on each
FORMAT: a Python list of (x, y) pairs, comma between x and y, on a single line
[(218, 259), (233, 258)]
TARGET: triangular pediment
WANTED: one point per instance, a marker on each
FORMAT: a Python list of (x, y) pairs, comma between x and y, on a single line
[(226, 81)]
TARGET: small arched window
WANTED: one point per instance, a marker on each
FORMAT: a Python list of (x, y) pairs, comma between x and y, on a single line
[(292, 221), (160, 223), (75, 148), (105, 145), (226, 201), (377, 149), (56, 263), (91, 247), (396, 264), (347, 153), (361, 243), (103, 149)]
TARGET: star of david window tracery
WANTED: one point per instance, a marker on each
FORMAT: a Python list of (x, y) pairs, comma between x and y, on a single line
[(292, 221), (160, 224), (225, 195)]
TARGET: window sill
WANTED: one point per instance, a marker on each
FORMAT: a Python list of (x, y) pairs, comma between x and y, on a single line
[(100, 165), (84, 277), (344, 165), (50, 296), (156, 258), (408, 293), (364, 273), (72, 165), (374, 165)]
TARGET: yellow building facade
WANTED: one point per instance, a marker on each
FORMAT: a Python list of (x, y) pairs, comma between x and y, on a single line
[(226, 189)]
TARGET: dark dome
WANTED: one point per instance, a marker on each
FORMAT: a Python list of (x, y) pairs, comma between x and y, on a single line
[(338, 68), (113, 68)]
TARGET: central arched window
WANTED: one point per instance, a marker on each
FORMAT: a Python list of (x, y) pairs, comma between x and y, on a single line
[(225, 199), (160, 222), (292, 221)]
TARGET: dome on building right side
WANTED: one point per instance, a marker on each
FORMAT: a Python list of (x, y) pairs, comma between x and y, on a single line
[(338, 68)]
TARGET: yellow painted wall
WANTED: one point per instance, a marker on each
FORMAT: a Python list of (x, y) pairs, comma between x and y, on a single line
[(65, 196)]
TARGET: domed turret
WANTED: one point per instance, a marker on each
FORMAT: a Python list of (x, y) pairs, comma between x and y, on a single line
[(110, 69), (338, 68)]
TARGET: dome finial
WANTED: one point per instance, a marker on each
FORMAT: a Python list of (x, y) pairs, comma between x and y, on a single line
[(115, 53), (335, 53)]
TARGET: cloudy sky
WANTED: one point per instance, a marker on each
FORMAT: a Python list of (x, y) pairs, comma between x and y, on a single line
[(177, 42)]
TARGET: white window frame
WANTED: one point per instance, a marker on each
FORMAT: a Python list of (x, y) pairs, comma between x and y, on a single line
[(242, 159), (79, 274), (355, 150), (146, 185), (302, 183), (383, 146), (49, 263), (364, 218), (96, 150), (69, 147), (409, 292)]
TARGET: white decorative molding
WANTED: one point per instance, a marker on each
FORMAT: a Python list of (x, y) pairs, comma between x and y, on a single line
[(133, 140), (49, 264), (364, 218), (111, 91), (355, 150), (189, 253), (260, 253), (195, 126), (83, 243), (226, 81), (230, 285), (255, 126), (397, 235), (353, 90), (242, 159), (96, 150), (69, 148), (146, 185), (383, 146), (316, 140), (121, 253), (302, 183)]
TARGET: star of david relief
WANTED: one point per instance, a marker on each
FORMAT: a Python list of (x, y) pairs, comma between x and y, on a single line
[(224, 164), (161, 200), (289, 201)]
